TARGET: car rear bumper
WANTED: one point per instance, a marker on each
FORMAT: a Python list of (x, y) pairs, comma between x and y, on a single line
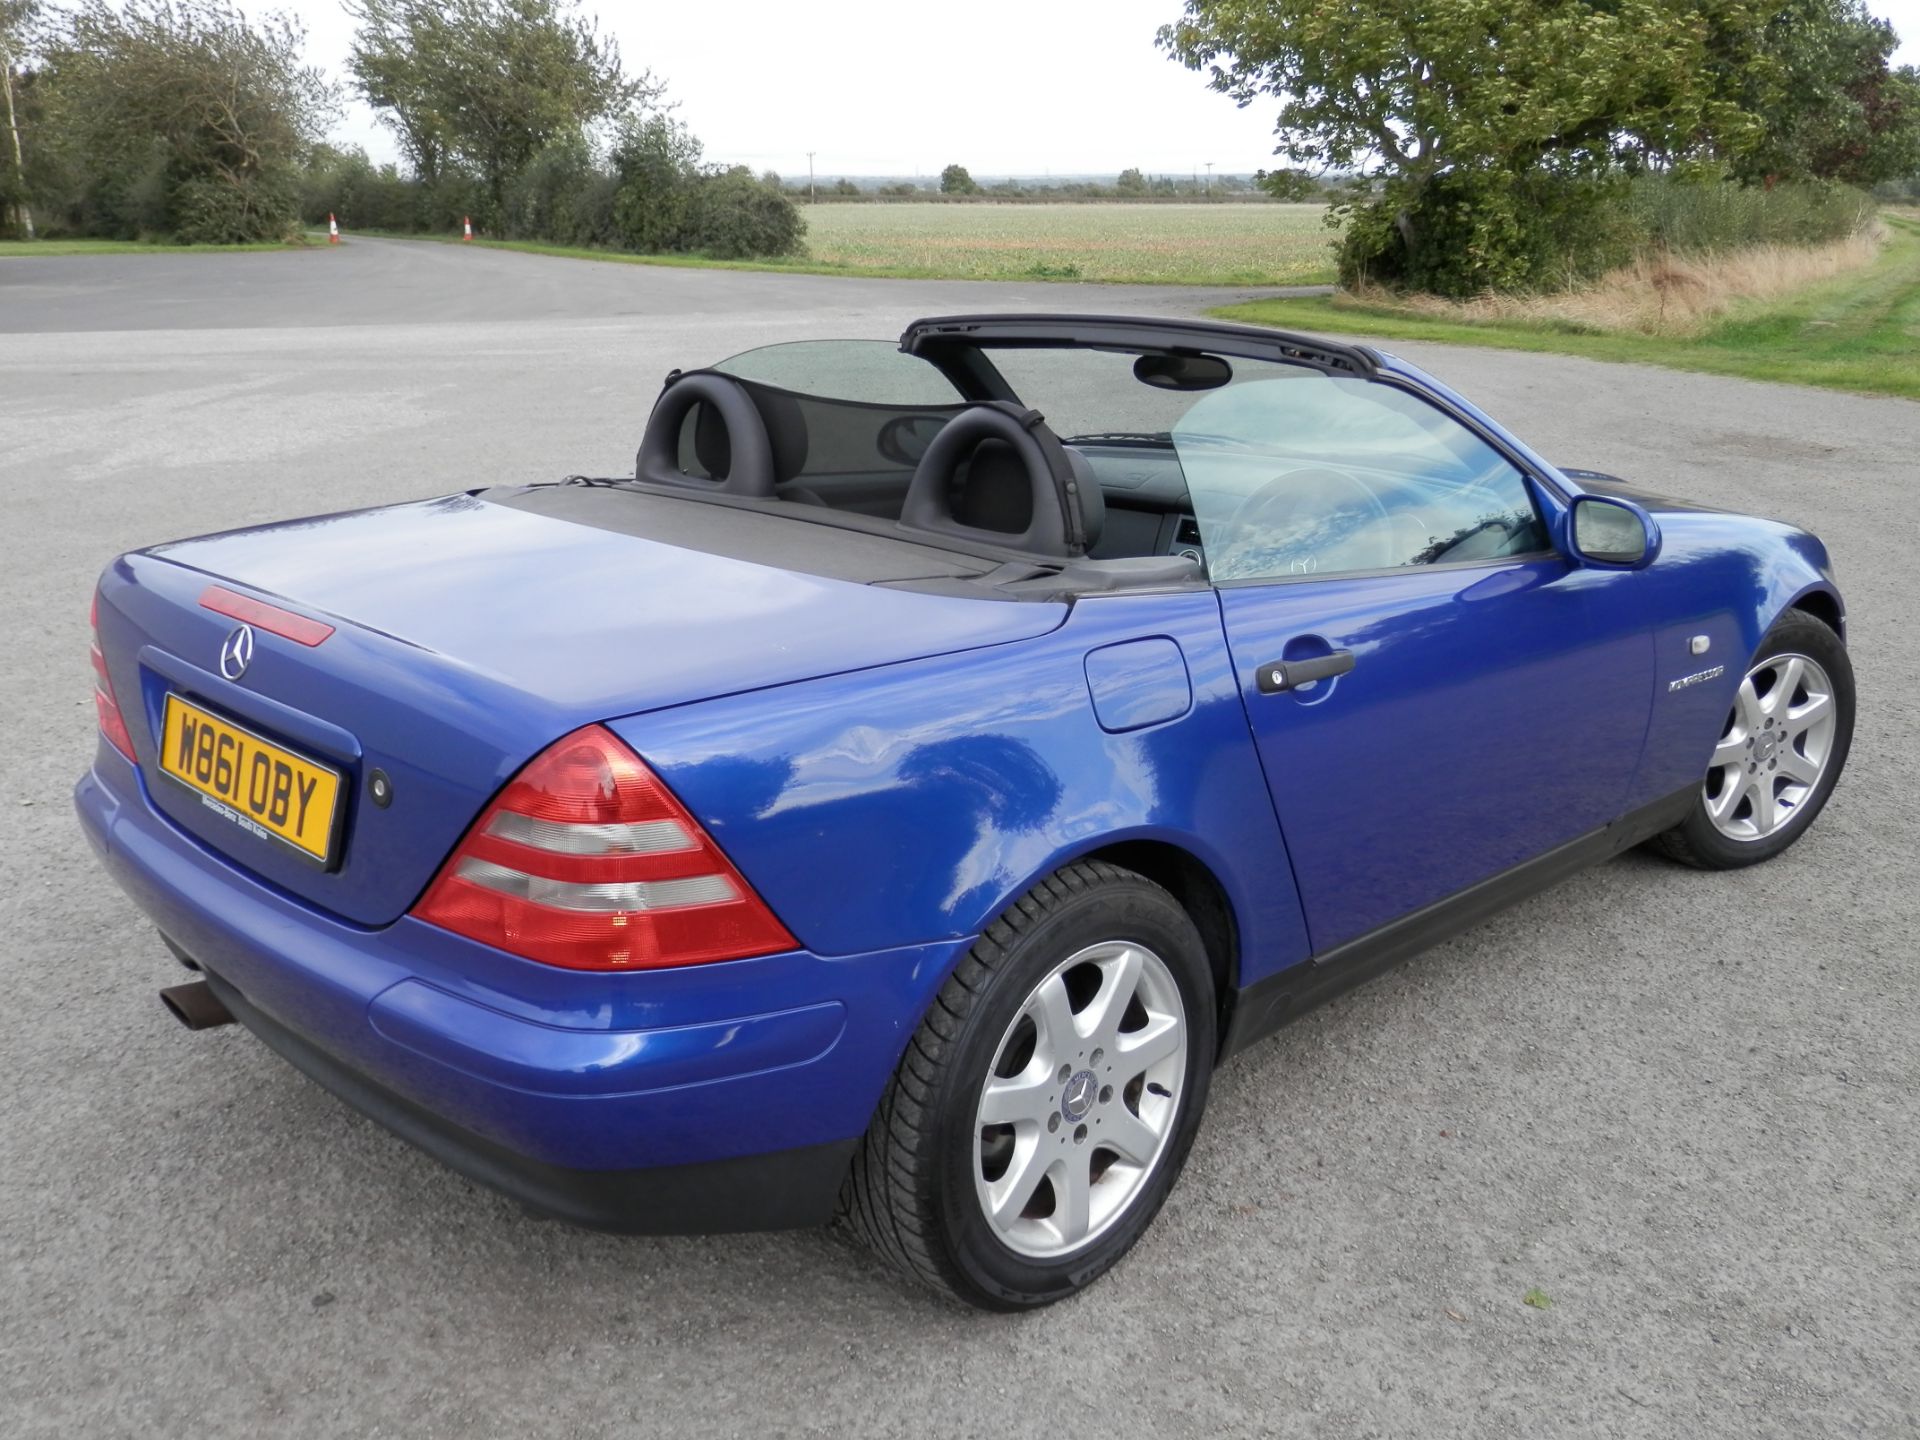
[(714, 1097), (782, 1190)]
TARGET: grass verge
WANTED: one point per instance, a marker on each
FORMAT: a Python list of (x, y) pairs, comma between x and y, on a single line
[(1859, 331), (134, 247)]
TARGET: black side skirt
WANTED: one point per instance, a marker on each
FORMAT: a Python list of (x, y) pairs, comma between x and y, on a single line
[(783, 1190), (1266, 1005)]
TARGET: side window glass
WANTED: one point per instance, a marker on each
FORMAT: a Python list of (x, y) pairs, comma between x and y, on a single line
[(1314, 474)]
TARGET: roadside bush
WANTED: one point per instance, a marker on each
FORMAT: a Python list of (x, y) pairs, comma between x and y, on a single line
[(1466, 233), (1700, 215), (562, 197), (206, 211), (733, 216), (348, 186)]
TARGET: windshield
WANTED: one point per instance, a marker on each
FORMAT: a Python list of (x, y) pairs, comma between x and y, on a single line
[(869, 372)]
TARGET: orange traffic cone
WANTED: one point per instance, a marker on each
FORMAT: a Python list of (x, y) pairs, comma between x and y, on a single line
[(333, 229), (467, 222)]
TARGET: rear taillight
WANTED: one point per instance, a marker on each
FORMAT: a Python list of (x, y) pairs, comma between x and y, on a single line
[(586, 860), (113, 724)]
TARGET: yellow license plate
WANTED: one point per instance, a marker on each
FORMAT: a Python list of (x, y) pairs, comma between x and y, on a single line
[(261, 787)]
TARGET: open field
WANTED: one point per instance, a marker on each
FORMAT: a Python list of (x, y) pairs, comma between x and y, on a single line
[(23, 248), (1858, 331), (1149, 244), (1681, 1105), (1239, 244)]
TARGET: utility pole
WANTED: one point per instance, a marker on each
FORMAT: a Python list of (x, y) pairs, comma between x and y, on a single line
[(13, 128), (809, 177)]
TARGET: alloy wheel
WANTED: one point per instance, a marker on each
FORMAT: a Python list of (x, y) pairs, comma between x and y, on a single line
[(1081, 1099), (1778, 741)]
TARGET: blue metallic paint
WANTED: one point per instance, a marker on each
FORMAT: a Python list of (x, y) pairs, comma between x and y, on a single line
[(1138, 683), (917, 800), (555, 626), (888, 769), (1493, 712), (591, 1071)]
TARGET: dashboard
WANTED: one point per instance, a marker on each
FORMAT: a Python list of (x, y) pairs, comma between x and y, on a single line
[(1148, 511)]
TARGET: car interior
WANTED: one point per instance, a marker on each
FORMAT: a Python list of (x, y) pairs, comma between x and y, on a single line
[(1175, 473)]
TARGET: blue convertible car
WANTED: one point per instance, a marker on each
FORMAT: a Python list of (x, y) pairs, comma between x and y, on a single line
[(897, 796)]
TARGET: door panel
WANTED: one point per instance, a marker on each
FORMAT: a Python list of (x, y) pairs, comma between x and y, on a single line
[(1490, 714)]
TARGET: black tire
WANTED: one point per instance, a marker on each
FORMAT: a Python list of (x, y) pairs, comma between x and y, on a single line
[(1696, 841), (911, 1192)]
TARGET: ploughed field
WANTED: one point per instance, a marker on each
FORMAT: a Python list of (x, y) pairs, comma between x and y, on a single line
[(1198, 244)]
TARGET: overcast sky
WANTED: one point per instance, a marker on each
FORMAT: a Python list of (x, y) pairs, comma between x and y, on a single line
[(902, 87)]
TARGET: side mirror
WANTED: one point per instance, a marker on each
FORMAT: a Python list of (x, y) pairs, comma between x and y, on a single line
[(1613, 534)]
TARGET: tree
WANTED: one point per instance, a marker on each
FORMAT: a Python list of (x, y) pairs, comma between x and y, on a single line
[(1291, 185), (954, 180), (1131, 182), (1817, 76), (1474, 115), (487, 84), (180, 116), (655, 161), (15, 17)]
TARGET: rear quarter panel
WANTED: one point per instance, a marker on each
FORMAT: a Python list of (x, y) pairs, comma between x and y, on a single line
[(915, 802)]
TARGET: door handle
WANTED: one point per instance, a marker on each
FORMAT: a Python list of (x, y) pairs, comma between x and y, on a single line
[(1291, 674)]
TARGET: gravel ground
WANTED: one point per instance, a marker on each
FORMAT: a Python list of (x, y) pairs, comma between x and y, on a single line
[(1682, 1106)]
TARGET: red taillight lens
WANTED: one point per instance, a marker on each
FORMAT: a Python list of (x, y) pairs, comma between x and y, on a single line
[(113, 724), (586, 860)]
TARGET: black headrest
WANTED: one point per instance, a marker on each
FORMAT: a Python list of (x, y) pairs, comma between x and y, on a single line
[(993, 491), (963, 479)]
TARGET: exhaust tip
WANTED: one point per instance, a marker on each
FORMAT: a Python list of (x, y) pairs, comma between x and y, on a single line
[(195, 1006)]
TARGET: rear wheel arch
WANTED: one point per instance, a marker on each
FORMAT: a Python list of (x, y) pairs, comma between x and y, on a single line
[(1191, 881)]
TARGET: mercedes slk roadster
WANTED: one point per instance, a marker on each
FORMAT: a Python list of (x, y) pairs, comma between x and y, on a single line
[(894, 798)]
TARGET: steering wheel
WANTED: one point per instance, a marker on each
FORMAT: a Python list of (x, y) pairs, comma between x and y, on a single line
[(1284, 526)]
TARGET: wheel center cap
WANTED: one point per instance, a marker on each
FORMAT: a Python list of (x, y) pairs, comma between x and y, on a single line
[(1763, 751), (1077, 1098)]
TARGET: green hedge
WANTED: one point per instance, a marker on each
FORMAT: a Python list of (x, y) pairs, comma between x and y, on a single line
[(1467, 233)]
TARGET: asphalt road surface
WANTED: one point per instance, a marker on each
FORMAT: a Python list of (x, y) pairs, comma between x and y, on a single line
[(1683, 1106)]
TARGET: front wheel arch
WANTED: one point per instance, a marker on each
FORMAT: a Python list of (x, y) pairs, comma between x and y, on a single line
[(1824, 606)]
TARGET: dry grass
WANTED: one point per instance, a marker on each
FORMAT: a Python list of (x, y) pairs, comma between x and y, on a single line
[(1677, 296)]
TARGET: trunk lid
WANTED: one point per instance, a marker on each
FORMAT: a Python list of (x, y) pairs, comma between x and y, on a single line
[(469, 635)]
